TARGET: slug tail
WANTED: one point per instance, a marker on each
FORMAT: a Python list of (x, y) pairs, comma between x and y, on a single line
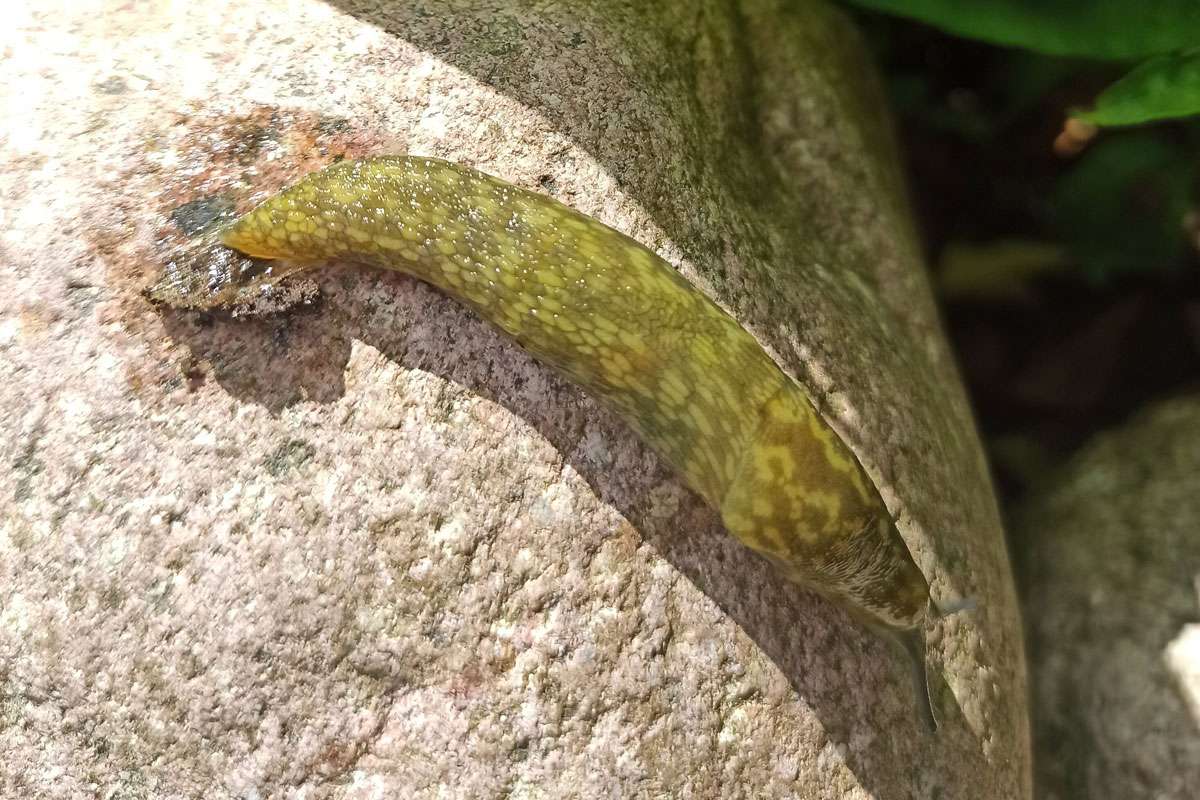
[(246, 246), (250, 236), (290, 225)]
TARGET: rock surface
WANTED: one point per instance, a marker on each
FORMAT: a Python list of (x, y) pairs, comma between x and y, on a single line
[(366, 547), (1112, 575)]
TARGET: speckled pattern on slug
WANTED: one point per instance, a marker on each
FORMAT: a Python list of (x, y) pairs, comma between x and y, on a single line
[(623, 324)]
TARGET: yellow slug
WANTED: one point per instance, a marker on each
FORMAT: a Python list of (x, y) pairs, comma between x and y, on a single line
[(619, 321)]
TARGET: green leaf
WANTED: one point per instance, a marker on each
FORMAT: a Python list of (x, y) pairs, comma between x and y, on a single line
[(1000, 268), (1164, 87), (1116, 29)]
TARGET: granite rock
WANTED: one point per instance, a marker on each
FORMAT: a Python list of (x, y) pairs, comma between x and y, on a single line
[(1111, 573), (365, 547)]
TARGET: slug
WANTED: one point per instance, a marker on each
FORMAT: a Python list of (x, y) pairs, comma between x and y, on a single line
[(619, 321)]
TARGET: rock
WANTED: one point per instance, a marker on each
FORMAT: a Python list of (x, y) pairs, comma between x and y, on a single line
[(365, 546), (1111, 568)]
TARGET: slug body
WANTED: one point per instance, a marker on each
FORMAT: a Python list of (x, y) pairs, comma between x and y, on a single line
[(619, 321)]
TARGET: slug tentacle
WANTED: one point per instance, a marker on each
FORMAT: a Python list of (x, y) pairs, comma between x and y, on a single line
[(912, 642), (622, 323)]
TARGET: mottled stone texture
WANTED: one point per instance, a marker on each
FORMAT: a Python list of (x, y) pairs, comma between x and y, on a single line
[(1111, 567), (366, 547)]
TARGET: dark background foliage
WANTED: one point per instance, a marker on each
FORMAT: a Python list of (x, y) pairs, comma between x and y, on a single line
[(1070, 282)]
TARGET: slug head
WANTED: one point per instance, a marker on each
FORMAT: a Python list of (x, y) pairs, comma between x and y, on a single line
[(802, 499), (881, 586)]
